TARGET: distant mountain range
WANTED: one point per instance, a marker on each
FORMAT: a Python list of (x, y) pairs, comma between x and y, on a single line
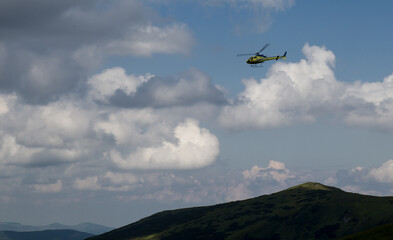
[(91, 228), (307, 211), (44, 235)]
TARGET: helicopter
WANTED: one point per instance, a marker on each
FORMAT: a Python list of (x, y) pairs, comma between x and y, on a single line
[(258, 58)]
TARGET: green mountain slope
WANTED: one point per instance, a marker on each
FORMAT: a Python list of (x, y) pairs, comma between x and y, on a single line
[(308, 211), (384, 232), (44, 235)]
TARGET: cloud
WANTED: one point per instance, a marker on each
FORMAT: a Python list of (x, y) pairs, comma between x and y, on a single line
[(348, 177), (238, 192), (52, 125), (50, 47), (108, 181), (261, 180), (51, 137), (89, 129), (269, 4), (148, 40), (132, 127), (275, 171), (185, 89), (384, 173), (40, 136), (259, 12), (194, 147), (280, 4), (370, 104), (49, 188), (88, 183), (39, 78), (371, 181), (104, 85), (121, 178), (305, 91), (188, 187), (231, 185), (12, 153)]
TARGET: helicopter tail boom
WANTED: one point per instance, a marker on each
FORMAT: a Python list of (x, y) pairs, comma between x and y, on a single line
[(283, 56)]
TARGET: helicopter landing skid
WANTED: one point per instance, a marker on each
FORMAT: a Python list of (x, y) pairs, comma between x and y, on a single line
[(257, 65)]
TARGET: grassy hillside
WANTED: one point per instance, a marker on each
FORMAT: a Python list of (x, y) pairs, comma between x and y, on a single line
[(308, 211), (44, 235), (384, 232)]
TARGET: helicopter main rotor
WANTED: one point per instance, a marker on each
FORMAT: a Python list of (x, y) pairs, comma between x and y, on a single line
[(257, 54)]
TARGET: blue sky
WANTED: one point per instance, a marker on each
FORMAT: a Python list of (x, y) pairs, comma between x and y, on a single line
[(110, 112)]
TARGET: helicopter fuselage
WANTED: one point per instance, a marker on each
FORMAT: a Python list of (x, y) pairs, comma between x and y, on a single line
[(260, 59)]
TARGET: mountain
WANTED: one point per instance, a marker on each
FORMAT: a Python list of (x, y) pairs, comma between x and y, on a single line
[(384, 232), (44, 235), (91, 228), (94, 229), (307, 211)]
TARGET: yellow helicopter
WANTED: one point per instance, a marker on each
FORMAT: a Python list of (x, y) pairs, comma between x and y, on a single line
[(258, 59)]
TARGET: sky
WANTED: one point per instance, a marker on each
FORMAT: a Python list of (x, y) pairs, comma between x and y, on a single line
[(111, 111)]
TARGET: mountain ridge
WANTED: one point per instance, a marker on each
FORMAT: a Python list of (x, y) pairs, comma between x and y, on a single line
[(44, 235), (91, 228), (306, 211)]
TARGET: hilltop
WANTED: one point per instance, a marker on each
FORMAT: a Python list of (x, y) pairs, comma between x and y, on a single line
[(307, 211)]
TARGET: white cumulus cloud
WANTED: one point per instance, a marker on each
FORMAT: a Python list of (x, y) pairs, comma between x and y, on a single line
[(104, 85), (384, 173), (12, 153), (275, 170), (194, 147), (371, 103), (89, 128)]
